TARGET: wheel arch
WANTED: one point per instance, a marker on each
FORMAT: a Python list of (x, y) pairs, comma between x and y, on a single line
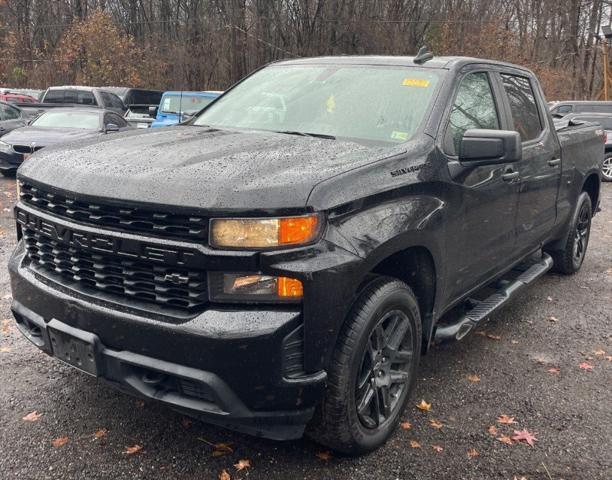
[(591, 186)]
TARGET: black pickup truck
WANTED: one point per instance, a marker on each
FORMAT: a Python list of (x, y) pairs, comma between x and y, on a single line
[(279, 264)]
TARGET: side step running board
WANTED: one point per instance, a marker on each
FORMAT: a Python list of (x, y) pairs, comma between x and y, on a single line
[(481, 310)]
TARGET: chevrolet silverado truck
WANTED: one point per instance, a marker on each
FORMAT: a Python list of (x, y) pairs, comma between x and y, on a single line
[(278, 264)]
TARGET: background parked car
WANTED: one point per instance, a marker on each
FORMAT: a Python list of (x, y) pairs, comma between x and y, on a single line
[(176, 107), (11, 117), (12, 97), (560, 109), (60, 125), (137, 96), (605, 120), (88, 96)]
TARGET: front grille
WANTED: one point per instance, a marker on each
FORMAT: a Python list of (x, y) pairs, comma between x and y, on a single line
[(119, 218), (120, 279), (25, 148)]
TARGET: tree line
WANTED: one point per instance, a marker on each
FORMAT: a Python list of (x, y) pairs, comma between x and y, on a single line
[(209, 44)]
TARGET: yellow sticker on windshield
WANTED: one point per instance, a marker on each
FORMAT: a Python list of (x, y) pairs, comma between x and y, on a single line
[(330, 104), (415, 82), (395, 135)]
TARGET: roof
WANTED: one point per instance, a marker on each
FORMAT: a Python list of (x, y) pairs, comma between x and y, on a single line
[(203, 93), (403, 61), (97, 111)]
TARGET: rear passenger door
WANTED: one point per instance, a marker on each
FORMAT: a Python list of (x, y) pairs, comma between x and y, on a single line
[(540, 168)]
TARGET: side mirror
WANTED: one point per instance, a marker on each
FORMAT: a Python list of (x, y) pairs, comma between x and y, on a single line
[(153, 111), (490, 147), (111, 127)]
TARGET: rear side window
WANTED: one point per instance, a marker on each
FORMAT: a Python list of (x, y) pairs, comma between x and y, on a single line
[(474, 107), (523, 106), (563, 109)]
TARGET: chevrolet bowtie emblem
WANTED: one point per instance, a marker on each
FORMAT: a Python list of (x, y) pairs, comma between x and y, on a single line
[(176, 279)]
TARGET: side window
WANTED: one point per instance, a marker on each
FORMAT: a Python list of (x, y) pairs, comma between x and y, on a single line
[(54, 96), (86, 98), (10, 113), (111, 101), (523, 106), (474, 107), (563, 109)]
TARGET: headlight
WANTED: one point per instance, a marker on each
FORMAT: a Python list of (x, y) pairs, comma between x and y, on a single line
[(248, 287), (264, 232), (5, 147)]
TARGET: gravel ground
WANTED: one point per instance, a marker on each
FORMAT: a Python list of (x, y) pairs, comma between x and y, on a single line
[(560, 323)]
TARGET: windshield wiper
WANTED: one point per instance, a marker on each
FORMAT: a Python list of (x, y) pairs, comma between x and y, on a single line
[(307, 134)]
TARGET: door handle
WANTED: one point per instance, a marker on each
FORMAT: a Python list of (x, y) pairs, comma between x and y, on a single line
[(510, 176), (554, 162)]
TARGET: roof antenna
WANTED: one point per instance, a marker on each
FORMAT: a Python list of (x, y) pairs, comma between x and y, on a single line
[(423, 56)]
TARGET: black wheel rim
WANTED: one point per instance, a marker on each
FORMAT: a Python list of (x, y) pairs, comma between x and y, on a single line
[(581, 235), (385, 373)]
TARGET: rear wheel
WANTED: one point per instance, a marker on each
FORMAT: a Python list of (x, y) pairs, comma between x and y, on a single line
[(373, 370), (569, 260), (606, 169)]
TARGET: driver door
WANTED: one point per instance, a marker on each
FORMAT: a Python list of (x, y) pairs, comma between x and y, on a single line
[(484, 199)]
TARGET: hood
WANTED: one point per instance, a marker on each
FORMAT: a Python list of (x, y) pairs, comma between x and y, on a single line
[(199, 167), (44, 137)]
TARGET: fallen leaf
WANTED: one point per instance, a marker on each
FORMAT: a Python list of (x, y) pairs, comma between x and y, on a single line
[(473, 378), (586, 366), (552, 318), (599, 352), (505, 419), (514, 342), (609, 358), (325, 456), (493, 337), (4, 349), (132, 450), (406, 425), (524, 436), (60, 442), (473, 453), (140, 403), (6, 326), (482, 333), (424, 406), (242, 464), (221, 449), (101, 433), (492, 430), (506, 439), (7, 296), (554, 371), (436, 424), (224, 475), (549, 299), (32, 416), (541, 360), (186, 423), (414, 444), (437, 448)]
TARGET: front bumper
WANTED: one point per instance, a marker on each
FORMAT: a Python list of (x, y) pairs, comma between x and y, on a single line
[(224, 366)]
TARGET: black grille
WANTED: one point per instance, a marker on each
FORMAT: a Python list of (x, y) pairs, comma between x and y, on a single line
[(119, 278), (126, 219), (25, 148)]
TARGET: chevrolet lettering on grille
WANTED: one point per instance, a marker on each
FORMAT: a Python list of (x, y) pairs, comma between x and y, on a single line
[(123, 247)]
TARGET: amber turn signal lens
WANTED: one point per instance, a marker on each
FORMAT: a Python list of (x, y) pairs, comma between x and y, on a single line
[(289, 287), (296, 230)]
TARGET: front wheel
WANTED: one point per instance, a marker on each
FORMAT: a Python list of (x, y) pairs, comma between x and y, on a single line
[(373, 370), (569, 260), (606, 168)]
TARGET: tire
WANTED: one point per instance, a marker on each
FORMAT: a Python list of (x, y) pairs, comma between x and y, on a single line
[(9, 173), (569, 260), (606, 168), (386, 314)]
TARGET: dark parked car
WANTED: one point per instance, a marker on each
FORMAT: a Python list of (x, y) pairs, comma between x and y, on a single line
[(84, 96), (57, 126), (281, 262), (605, 121), (578, 106), (137, 96), (11, 117)]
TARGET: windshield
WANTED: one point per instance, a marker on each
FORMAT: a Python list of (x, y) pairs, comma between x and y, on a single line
[(380, 103), (185, 103), (84, 120)]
